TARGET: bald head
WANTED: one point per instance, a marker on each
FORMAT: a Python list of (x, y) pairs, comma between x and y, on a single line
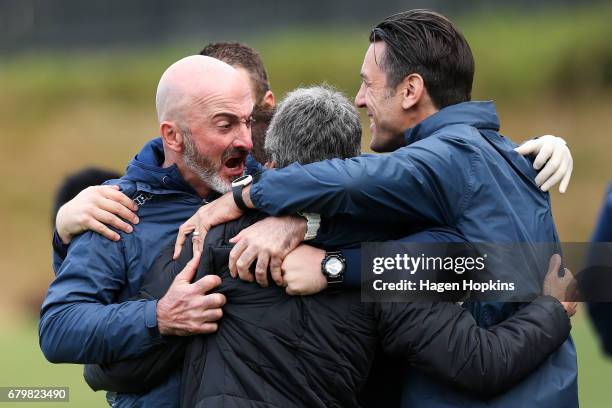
[(189, 83), (204, 108)]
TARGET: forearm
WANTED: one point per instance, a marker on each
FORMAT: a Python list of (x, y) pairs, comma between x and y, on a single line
[(443, 340), (137, 375), (422, 238), (366, 187), (95, 333), (509, 351), (451, 346)]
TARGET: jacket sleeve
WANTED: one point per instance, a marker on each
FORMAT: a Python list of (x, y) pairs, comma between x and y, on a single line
[(443, 340), (352, 275), (140, 374), (60, 250), (429, 181), (137, 375), (80, 323)]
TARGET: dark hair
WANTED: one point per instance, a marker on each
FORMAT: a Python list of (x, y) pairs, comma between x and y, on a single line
[(263, 116), (239, 54), (428, 44), (74, 183)]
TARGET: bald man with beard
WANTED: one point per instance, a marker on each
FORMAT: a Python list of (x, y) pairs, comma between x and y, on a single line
[(204, 109)]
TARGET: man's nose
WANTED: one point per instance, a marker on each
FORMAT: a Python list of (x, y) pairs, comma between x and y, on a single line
[(243, 139), (360, 97)]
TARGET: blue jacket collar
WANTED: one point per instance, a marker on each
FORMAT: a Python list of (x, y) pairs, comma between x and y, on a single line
[(146, 170), (481, 115)]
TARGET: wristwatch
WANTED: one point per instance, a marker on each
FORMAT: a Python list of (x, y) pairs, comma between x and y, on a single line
[(333, 266), (237, 186)]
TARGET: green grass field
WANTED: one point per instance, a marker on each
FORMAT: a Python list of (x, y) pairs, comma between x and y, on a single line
[(24, 365)]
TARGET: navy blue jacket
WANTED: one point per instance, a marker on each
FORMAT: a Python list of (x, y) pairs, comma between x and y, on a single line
[(601, 313), (456, 171), (85, 317)]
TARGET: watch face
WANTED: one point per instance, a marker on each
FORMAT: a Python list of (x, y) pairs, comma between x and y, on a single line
[(334, 267)]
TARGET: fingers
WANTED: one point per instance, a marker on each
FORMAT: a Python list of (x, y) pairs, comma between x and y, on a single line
[(111, 219), (572, 287), (570, 308), (551, 166), (244, 262), (197, 241), (276, 271), (261, 269), (529, 147), (189, 270), (235, 253), (212, 315), (214, 300), (207, 328), (208, 283), (117, 209), (102, 229), (543, 156), (552, 153), (238, 237), (184, 230), (117, 196), (557, 175), (566, 177)]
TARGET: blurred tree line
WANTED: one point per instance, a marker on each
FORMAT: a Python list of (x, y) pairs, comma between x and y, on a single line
[(35, 24)]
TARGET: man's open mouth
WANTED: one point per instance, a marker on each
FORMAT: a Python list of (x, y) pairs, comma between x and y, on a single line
[(235, 160)]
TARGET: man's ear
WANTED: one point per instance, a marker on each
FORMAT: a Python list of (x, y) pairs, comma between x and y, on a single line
[(270, 164), (411, 89), (173, 138), (269, 99)]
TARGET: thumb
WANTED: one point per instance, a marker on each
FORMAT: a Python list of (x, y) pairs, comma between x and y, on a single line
[(236, 238), (207, 283), (528, 147), (189, 270), (554, 265)]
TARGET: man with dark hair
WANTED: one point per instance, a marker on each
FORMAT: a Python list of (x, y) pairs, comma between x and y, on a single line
[(441, 57), (449, 77), (248, 62), (283, 351), (448, 166)]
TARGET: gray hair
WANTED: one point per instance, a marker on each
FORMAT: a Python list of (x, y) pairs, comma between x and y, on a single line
[(313, 124)]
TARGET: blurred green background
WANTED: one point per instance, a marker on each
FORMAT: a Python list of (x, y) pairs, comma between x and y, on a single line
[(548, 71)]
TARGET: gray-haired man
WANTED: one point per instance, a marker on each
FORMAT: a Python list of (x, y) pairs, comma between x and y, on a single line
[(272, 349)]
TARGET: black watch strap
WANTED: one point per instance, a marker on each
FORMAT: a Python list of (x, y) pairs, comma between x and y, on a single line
[(237, 193)]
